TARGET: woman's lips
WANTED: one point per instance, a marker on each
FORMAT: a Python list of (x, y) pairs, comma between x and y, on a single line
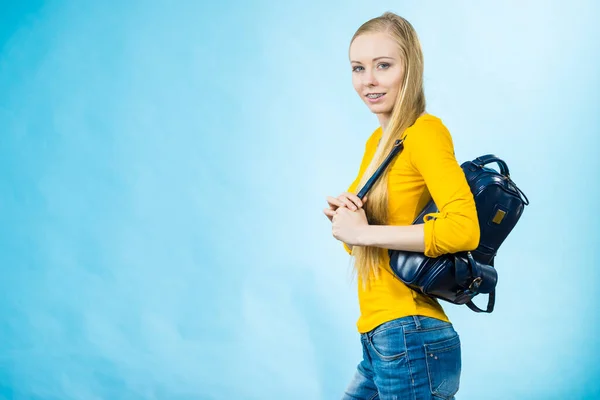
[(376, 99)]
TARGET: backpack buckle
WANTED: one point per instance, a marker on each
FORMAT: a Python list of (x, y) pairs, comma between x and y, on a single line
[(474, 286)]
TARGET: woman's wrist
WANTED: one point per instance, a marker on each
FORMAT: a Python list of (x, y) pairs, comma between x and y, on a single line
[(365, 236)]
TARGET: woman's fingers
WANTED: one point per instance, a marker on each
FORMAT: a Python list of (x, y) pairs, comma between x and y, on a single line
[(351, 200), (329, 212), (355, 199), (334, 203), (347, 202)]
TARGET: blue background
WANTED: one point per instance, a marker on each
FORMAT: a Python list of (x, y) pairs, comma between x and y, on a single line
[(164, 167)]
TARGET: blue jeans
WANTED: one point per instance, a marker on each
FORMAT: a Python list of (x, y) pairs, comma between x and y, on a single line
[(412, 358)]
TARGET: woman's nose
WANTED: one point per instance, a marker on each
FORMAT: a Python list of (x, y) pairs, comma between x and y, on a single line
[(369, 78)]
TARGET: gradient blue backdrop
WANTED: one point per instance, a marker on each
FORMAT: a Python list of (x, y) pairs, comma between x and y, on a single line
[(164, 166)]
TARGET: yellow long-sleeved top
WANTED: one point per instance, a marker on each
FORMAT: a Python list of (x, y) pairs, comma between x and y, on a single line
[(426, 168)]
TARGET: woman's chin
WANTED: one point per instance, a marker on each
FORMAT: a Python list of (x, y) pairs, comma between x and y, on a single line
[(379, 108)]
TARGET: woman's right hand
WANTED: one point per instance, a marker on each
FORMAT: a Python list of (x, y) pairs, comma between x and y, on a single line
[(349, 200)]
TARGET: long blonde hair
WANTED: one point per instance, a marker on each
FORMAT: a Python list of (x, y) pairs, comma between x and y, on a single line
[(408, 106)]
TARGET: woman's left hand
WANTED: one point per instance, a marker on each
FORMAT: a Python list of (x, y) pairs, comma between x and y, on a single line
[(348, 226)]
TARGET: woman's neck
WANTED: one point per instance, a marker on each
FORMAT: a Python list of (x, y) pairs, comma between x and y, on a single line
[(384, 119)]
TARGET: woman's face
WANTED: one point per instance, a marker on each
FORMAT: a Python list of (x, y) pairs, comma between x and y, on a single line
[(376, 70)]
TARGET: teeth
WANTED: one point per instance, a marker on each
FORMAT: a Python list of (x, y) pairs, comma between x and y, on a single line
[(375, 95)]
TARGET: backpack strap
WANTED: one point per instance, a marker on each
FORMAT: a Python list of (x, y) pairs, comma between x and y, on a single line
[(491, 299), (398, 146), (490, 305), (490, 158)]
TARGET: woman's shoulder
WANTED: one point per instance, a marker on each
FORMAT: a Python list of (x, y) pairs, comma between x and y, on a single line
[(429, 122), (427, 128)]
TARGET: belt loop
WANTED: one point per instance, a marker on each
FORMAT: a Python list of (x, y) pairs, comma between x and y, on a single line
[(417, 321)]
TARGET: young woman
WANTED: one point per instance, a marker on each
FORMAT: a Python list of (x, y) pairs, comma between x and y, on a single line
[(410, 348)]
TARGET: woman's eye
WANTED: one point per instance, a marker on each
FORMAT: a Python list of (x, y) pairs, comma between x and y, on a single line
[(383, 65)]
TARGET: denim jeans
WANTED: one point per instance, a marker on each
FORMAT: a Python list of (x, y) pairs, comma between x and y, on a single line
[(412, 358)]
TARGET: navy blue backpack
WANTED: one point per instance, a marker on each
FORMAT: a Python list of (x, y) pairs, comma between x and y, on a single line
[(459, 277)]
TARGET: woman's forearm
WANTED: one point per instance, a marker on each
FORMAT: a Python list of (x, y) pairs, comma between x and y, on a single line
[(394, 237)]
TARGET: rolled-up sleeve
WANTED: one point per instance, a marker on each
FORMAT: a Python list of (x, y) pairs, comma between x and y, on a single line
[(455, 227)]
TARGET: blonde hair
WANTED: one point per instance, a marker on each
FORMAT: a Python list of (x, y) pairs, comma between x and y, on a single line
[(408, 106)]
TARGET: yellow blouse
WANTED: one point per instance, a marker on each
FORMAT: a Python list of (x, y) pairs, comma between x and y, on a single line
[(426, 168)]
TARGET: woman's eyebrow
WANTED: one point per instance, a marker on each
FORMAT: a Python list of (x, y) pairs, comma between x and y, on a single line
[(375, 59)]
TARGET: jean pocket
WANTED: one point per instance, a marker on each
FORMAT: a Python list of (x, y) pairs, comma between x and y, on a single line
[(388, 344), (444, 366)]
